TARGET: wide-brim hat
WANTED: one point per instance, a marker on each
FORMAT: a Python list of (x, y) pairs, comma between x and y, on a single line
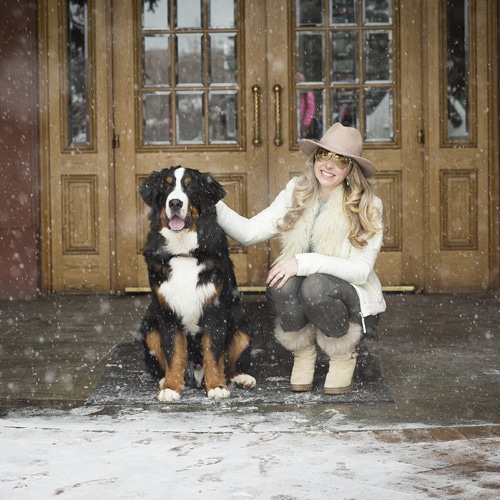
[(345, 141)]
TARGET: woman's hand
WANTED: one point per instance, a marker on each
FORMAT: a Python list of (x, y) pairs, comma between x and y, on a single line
[(281, 272)]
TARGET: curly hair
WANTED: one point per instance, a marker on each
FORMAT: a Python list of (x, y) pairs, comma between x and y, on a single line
[(359, 203)]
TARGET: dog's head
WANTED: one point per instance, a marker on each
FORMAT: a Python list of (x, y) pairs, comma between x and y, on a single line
[(181, 195)]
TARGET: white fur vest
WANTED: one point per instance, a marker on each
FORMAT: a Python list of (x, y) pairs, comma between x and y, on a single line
[(320, 229)]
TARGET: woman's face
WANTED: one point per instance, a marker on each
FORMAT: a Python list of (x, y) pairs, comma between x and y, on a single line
[(330, 172)]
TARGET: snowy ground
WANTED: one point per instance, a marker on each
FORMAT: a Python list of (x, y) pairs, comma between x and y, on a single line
[(248, 454)]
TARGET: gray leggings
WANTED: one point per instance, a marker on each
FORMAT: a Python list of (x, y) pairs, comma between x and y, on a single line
[(327, 302)]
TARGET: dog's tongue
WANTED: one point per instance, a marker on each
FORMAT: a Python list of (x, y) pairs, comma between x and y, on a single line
[(176, 223)]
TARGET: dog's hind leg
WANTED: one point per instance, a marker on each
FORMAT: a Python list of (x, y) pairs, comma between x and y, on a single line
[(238, 360), (215, 380), (171, 387)]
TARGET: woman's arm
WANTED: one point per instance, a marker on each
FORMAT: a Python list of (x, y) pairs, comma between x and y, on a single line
[(259, 228)]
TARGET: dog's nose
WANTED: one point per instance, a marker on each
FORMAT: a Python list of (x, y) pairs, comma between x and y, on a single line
[(175, 204)]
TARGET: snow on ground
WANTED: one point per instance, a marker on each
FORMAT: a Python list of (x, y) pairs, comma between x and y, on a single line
[(219, 455)]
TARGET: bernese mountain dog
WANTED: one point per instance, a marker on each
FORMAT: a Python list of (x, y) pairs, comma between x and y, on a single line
[(195, 330)]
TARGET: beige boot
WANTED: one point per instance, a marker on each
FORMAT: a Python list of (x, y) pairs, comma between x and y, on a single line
[(342, 353), (303, 346)]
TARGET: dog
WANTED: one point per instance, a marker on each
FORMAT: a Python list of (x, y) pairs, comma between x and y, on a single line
[(195, 328)]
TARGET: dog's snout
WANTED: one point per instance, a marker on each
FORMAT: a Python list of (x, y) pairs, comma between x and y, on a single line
[(175, 204)]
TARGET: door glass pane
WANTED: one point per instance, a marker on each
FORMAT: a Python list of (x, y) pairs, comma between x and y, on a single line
[(378, 118), (190, 129), (223, 117), (310, 12), (156, 60), (457, 74), (377, 12), (344, 12), (222, 14), (348, 63), (311, 56), (157, 124), (310, 114), (78, 74), (155, 14), (345, 107), (345, 56), (189, 59), (378, 56), (188, 13), (223, 59), (189, 85)]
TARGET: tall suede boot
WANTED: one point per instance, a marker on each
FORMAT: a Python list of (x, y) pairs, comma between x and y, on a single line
[(342, 353), (302, 344)]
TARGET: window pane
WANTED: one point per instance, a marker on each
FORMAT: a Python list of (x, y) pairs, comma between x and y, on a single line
[(156, 62), (457, 58), (154, 14), (345, 56), (223, 59), (310, 56), (189, 59), (156, 118), (344, 12), (78, 74), (378, 56), (222, 14), (378, 118), (310, 106), (310, 12), (190, 129), (377, 12), (188, 13), (223, 117), (345, 107)]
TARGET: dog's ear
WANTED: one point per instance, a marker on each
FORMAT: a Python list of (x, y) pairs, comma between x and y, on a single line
[(150, 188), (213, 190)]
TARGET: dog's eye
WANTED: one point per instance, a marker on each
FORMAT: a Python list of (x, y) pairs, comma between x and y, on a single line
[(187, 181), (169, 180)]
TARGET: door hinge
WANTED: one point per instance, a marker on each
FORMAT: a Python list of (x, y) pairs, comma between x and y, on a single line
[(115, 143)]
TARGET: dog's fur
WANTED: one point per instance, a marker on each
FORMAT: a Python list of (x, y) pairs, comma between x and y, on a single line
[(195, 324)]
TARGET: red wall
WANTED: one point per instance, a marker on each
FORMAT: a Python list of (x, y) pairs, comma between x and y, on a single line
[(19, 145)]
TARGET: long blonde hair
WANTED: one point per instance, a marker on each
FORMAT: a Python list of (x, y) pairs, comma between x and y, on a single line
[(359, 203)]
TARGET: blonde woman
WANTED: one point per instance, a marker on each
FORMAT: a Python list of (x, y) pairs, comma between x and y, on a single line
[(322, 289)]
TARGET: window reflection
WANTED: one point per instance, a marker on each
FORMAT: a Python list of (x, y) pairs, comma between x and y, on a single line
[(347, 66), (189, 84), (78, 74), (457, 70)]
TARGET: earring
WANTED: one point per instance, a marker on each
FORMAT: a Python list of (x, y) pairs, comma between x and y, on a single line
[(347, 181)]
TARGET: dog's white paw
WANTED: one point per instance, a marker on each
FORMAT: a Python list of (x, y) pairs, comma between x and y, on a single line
[(160, 383), (219, 393), (245, 380), (166, 395)]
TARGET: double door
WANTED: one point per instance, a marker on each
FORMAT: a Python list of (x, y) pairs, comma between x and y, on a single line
[(230, 86)]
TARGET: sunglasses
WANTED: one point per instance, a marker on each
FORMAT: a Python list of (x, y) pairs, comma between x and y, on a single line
[(340, 161)]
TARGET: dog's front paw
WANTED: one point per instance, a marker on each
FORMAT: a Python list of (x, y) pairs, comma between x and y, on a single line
[(244, 380), (166, 395), (219, 393)]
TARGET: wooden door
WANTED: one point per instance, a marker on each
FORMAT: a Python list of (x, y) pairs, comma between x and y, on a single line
[(77, 203), (374, 64)]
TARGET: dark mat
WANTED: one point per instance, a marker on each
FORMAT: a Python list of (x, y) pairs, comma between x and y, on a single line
[(124, 381)]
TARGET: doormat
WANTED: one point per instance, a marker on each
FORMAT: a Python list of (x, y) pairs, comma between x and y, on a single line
[(126, 382)]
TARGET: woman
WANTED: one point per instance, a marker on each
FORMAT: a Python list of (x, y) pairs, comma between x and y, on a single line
[(322, 288)]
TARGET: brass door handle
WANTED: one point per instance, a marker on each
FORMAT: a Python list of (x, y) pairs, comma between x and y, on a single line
[(278, 141), (257, 141)]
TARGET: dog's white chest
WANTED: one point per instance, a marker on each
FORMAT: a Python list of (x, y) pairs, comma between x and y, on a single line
[(183, 294)]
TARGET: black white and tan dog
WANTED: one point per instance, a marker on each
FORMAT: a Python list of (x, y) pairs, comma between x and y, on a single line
[(195, 328)]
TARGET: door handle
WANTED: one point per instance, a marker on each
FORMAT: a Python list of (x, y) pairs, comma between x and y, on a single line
[(278, 141), (257, 141)]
